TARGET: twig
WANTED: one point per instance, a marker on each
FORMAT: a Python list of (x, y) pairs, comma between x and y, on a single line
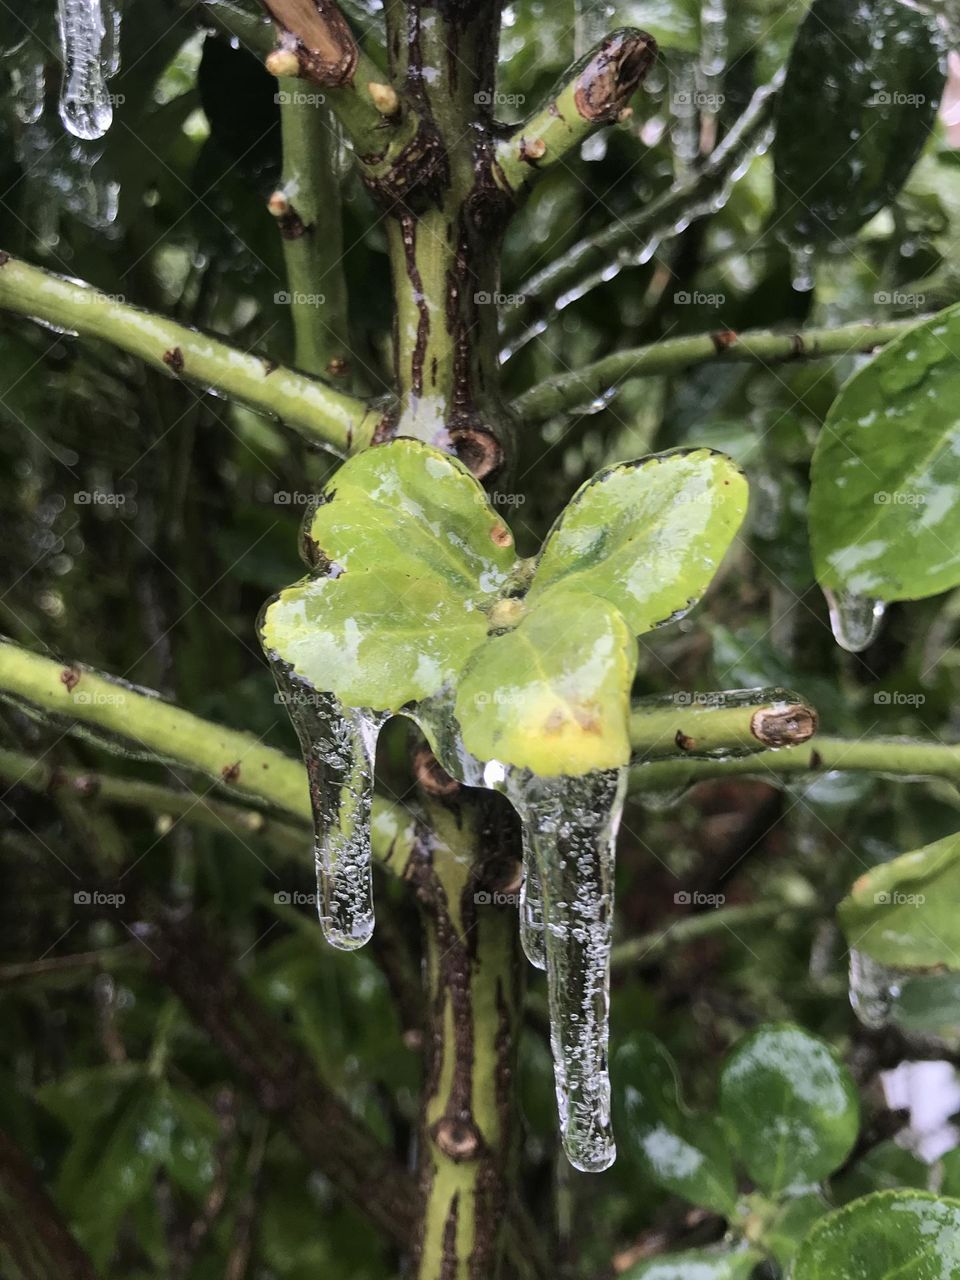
[(338, 422), (567, 391), (596, 94)]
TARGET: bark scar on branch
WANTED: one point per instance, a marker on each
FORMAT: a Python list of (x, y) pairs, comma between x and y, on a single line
[(317, 32), (608, 81)]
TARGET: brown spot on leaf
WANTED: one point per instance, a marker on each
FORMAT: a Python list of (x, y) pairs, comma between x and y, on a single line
[(501, 536), (231, 772), (684, 741), (173, 359)]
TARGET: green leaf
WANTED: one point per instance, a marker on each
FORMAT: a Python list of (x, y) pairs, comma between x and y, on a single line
[(885, 494), (904, 913), (697, 1264), (892, 1235), (786, 1228), (790, 1105), (553, 696), (407, 555), (861, 93), (647, 536), (684, 1152), (885, 1167)]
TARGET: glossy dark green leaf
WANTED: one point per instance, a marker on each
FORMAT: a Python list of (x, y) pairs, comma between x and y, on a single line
[(861, 93), (682, 1151), (553, 696), (697, 1264), (904, 913), (892, 1235), (647, 536), (885, 494), (407, 554), (790, 1106)]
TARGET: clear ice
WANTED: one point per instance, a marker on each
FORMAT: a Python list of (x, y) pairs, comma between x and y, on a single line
[(88, 43), (570, 827), (339, 747), (855, 620)]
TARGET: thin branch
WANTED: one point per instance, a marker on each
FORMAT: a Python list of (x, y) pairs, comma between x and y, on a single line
[(239, 762), (256, 1044), (308, 211), (634, 238), (338, 422), (866, 755), (597, 93), (316, 44), (34, 1241), (705, 724), (566, 391), (683, 929)]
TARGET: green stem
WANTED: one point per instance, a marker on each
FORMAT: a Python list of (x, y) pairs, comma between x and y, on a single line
[(238, 761), (18, 769), (308, 212), (566, 391), (338, 422), (705, 724), (583, 266), (889, 756), (649, 946), (596, 93), (472, 975)]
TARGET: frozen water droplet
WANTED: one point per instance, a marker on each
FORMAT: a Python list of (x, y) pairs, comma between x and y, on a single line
[(855, 620), (85, 108), (570, 825), (339, 745), (29, 83), (873, 990), (531, 909), (801, 266)]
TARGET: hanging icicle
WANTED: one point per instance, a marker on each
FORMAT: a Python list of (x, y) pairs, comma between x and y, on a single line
[(89, 43)]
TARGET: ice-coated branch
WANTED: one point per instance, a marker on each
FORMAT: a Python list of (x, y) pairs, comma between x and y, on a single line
[(824, 754), (596, 93), (315, 43), (635, 237), (238, 761), (323, 415), (307, 209), (568, 390), (731, 723)]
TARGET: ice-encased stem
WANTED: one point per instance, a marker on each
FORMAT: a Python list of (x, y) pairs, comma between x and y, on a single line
[(531, 908), (85, 108), (339, 746), (570, 826)]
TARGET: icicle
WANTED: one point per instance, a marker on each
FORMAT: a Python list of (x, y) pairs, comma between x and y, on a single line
[(531, 909), (338, 744), (684, 128), (85, 108), (110, 54), (570, 826), (713, 41), (29, 83), (855, 620), (801, 267)]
